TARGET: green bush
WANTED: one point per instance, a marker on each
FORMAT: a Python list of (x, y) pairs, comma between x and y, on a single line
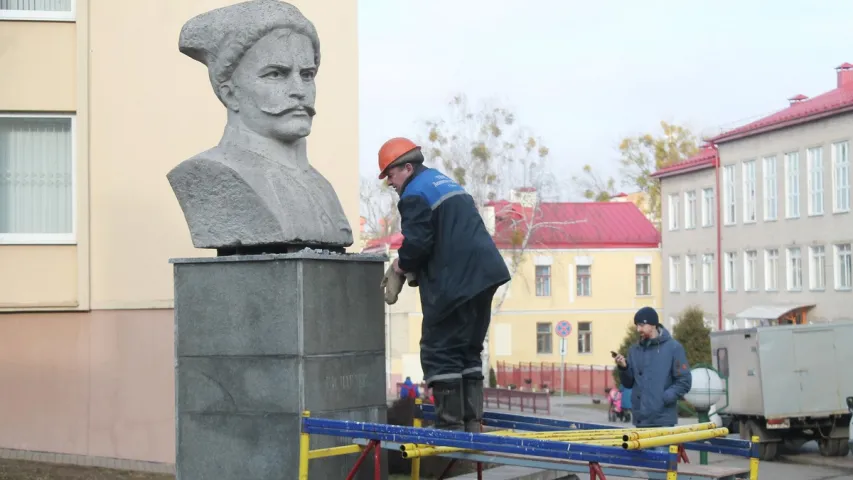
[(693, 335), (493, 378)]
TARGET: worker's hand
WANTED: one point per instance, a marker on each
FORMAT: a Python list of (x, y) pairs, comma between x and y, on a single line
[(620, 360), (396, 267), (392, 283)]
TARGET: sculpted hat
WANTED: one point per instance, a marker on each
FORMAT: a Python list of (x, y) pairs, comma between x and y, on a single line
[(646, 315), (219, 38)]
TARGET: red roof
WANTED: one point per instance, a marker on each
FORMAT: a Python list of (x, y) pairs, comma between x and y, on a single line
[(706, 158), (564, 226), (801, 110)]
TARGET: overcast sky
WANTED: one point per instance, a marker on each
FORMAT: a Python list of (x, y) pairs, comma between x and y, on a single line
[(585, 74)]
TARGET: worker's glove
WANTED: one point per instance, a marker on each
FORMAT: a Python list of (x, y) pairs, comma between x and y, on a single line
[(392, 282)]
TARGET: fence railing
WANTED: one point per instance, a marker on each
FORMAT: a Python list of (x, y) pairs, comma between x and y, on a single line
[(545, 376), (536, 402), (503, 398)]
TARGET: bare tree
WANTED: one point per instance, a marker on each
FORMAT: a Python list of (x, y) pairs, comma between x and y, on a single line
[(640, 157), (378, 204)]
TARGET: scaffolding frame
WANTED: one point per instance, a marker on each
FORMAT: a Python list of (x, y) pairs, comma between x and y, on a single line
[(510, 449)]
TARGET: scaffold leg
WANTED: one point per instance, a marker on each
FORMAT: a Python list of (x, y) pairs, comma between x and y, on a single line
[(447, 469), (682, 455), (417, 422), (672, 470), (377, 463), (753, 460), (595, 472), (373, 444), (479, 470)]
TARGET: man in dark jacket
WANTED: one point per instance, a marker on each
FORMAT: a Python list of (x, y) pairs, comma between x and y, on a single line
[(458, 269), (657, 372)]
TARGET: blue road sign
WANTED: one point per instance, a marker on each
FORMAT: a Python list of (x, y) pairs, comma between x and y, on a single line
[(563, 328)]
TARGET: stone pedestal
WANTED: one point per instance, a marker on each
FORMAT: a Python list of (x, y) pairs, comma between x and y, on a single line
[(259, 339)]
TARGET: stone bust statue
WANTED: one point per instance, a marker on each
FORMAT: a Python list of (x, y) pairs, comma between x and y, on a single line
[(255, 191)]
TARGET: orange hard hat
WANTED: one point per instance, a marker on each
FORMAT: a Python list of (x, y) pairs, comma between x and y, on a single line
[(392, 150)]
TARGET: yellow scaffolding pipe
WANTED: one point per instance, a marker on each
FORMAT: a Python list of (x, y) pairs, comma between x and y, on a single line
[(605, 438), (419, 451), (753, 462), (624, 433), (304, 450), (677, 438)]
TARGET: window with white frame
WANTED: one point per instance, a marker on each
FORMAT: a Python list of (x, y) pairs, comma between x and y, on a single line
[(584, 280), (750, 270), (673, 211), (544, 338), (690, 209), (771, 269), (729, 271), (748, 191), (729, 211), (792, 185), (708, 272), (817, 267), (707, 207), (38, 10), (644, 279), (815, 172), (691, 274), (795, 268), (844, 267), (584, 337), (674, 263), (543, 280), (37, 190), (770, 187), (840, 177)]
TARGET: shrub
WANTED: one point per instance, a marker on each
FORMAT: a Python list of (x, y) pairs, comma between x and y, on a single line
[(693, 335)]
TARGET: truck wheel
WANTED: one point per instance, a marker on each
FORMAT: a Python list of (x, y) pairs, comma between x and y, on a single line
[(767, 451), (843, 448), (833, 447)]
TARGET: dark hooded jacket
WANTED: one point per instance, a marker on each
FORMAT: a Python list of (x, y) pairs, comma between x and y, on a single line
[(659, 376), (445, 243)]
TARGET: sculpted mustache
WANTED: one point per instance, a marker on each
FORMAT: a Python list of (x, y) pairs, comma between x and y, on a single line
[(275, 110)]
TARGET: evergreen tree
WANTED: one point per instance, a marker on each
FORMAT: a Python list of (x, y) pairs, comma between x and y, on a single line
[(694, 335), (631, 337)]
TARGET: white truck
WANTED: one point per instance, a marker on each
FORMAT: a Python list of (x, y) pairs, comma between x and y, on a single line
[(788, 384)]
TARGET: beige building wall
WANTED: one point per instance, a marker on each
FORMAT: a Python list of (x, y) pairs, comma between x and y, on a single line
[(86, 329)]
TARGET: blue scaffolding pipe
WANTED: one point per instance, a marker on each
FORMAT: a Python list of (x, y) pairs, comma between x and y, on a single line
[(724, 446), (492, 443)]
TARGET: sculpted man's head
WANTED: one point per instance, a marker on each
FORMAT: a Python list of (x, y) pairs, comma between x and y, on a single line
[(262, 58)]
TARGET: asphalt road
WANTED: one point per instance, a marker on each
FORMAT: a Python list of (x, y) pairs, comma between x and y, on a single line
[(807, 464)]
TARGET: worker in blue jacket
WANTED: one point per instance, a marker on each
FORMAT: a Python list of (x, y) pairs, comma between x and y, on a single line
[(657, 372), (458, 268)]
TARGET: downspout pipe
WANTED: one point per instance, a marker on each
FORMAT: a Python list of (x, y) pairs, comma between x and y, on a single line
[(719, 202)]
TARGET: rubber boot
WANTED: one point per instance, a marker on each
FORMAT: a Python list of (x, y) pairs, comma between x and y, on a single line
[(473, 394), (448, 405)]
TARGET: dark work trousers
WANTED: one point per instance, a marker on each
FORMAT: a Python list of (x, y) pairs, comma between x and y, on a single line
[(451, 346)]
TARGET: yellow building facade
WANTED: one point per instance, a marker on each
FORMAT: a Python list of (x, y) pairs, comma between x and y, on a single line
[(597, 289), (96, 106)]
